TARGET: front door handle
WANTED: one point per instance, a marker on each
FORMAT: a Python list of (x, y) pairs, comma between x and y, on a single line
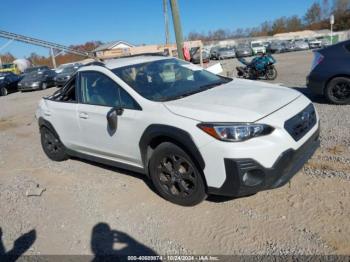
[(83, 115)]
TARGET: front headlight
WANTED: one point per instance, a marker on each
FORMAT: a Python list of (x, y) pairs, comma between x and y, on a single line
[(235, 132)]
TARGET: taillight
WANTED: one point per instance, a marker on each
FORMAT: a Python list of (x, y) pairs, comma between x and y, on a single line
[(317, 60)]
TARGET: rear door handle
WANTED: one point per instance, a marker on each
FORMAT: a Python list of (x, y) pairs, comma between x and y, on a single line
[(83, 115)]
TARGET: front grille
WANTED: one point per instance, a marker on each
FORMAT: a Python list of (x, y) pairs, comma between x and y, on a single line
[(301, 123)]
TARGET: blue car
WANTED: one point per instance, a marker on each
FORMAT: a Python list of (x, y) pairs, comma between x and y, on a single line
[(330, 73)]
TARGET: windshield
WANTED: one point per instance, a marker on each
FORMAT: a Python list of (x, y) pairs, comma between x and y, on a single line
[(69, 70), (33, 69), (242, 46), (7, 66), (168, 79), (257, 44), (225, 49)]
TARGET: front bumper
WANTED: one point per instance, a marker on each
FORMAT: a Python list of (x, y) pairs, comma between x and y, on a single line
[(247, 176), (243, 54), (29, 86)]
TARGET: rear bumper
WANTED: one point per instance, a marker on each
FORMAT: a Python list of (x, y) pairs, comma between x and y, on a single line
[(315, 83), (247, 176)]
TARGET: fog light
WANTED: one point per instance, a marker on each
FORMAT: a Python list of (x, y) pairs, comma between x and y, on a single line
[(253, 177)]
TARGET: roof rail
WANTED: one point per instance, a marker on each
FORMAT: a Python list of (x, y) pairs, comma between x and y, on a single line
[(95, 63), (141, 54), (147, 54)]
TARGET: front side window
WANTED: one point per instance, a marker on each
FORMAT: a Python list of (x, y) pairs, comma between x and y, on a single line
[(167, 79), (98, 89)]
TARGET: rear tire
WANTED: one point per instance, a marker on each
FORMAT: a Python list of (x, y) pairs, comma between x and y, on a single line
[(338, 91), (175, 176), (52, 146), (3, 91)]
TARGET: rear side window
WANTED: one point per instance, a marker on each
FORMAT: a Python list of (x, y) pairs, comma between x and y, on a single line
[(98, 89)]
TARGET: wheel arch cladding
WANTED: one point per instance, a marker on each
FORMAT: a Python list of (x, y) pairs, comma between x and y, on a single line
[(44, 123), (156, 134)]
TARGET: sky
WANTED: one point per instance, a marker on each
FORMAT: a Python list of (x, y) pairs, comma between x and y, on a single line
[(136, 21)]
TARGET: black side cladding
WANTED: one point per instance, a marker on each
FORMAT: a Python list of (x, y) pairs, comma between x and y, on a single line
[(44, 123), (178, 135)]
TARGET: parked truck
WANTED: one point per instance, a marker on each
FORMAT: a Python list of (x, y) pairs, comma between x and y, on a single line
[(17, 67)]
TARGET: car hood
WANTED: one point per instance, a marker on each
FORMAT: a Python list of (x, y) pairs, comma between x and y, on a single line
[(237, 101)]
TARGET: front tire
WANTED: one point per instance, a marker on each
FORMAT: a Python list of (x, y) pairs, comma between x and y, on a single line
[(52, 146), (175, 176), (43, 86), (338, 91), (3, 91), (271, 73)]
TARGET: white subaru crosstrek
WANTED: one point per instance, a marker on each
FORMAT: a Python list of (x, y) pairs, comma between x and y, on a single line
[(192, 132)]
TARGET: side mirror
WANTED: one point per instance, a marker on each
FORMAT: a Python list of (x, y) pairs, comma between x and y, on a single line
[(112, 118)]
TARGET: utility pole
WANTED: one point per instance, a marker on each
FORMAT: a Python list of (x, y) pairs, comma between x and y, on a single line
[(177, 27), (53, 58), (166, 21)]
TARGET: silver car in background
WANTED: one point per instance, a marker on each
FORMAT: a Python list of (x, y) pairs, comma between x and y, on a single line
[(243, 50), (301, 45), (226, 52)]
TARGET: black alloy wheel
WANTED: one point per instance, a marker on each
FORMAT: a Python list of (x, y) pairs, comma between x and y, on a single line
[(52, 145), (175, 176), (338, 91)]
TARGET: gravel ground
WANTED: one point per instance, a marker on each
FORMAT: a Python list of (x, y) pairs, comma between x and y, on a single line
[(78, 207)]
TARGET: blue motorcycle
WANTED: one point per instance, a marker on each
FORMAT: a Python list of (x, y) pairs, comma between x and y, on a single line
[(261, 66)]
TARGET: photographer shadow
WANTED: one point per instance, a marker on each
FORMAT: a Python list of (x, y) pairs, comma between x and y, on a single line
[(20, 246), (114, 245)]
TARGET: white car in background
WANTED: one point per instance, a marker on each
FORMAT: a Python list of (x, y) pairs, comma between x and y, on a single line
[(258, 47), (314, 43), (192, 132), (61, 67)]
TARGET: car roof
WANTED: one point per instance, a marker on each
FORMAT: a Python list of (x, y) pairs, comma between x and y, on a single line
[(133, 60)]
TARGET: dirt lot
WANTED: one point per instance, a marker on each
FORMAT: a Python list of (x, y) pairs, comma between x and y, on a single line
[(82, 201)]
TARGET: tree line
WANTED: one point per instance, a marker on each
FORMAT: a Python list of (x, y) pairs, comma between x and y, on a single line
[(316, 18)]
